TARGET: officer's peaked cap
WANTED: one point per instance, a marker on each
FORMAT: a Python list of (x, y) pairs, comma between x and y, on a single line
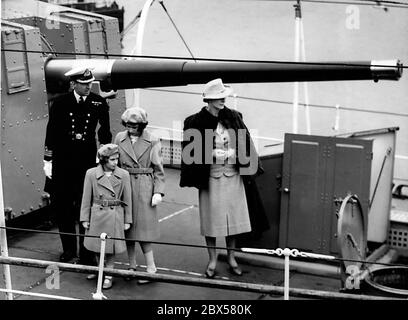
[(80, 74)]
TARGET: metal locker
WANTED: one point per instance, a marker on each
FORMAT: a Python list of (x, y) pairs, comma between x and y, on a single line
[(24, 118), (318, 170), (95, 33), (59, 34)]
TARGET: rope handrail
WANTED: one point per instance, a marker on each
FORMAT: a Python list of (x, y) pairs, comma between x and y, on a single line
[(181, 131), (280, 141), (290, 103), (372, 3)]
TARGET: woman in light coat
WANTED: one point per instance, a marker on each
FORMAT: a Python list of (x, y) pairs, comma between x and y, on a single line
[(140, 155), (218, 166), (106, 206)]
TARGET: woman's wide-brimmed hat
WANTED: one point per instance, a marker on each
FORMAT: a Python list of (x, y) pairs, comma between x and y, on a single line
[(134, 115), (107, 150), (215, 89)]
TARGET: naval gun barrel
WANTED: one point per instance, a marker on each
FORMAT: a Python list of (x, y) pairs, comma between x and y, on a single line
[(127, 74)]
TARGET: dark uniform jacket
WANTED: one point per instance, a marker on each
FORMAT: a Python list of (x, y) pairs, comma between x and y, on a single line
[(197, 174), (71, 138)]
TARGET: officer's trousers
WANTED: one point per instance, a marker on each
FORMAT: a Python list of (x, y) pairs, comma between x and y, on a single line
[(66, 204)]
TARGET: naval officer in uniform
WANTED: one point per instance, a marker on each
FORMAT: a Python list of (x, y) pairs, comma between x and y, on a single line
[(70, 150)]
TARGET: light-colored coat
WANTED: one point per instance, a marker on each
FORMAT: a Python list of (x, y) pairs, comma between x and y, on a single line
[(110, 220), (223, 205), (144, 153)]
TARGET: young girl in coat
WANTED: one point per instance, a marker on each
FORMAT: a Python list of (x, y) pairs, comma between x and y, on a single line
[(106, 206), (140, 155)]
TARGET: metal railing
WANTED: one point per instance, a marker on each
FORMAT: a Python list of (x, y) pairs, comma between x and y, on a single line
[(286, 291)]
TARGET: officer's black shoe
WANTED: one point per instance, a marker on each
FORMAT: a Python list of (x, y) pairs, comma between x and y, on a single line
[(86, 262), (67, 257)]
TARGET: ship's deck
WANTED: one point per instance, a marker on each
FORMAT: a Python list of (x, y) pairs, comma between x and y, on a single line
[(179, 222)]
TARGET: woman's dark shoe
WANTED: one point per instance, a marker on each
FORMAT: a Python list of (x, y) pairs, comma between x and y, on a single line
[(235, 270), (130, 278), (67, 257)]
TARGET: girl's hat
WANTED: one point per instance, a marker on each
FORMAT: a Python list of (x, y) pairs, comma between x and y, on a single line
[(107, 150), (134, 115)]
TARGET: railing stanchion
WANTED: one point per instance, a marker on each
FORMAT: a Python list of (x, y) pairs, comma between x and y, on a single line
[(3, 243), (286, 252), (98, 295)]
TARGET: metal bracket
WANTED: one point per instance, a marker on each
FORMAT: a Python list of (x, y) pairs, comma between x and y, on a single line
[(397, 193)]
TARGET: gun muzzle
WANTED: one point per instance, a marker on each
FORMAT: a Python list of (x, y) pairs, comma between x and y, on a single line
[(386, 69)]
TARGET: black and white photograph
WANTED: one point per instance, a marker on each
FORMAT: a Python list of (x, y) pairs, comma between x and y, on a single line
[(204, 159)]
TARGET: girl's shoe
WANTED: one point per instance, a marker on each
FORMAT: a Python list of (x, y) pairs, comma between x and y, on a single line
[(130, 278), (144, 281), (92, 276), (107, 282)]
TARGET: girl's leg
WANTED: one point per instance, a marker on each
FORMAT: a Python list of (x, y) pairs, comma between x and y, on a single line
[(109, 260), (147, 249), (131, 250), (92, 276), (109, 263), (150, 265)]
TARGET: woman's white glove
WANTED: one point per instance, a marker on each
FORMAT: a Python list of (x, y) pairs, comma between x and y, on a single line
[(97, 158), (219, 154), (230, 153), (48, 168), (156, 199), (85, 224), (222, 155), (127, 226)]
